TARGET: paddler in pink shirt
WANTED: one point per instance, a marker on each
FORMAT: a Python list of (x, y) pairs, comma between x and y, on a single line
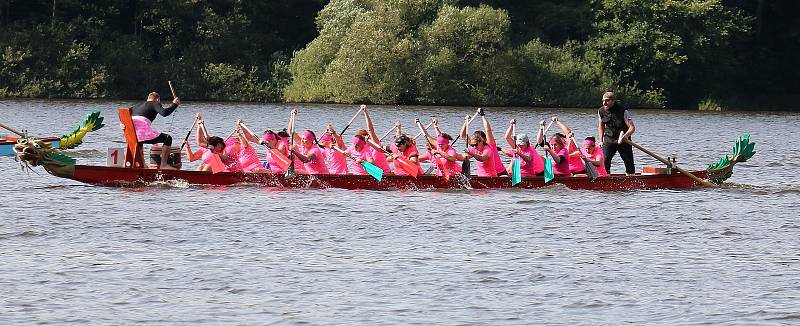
[(594, 155), (530, 162), (336, 162), (484, 149), (360, 152), (446, 155), (405, 148), (558, 153), (573, 152), (374, 143), (310, 154)]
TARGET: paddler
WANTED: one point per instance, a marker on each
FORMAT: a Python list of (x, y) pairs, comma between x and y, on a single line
[(594, 155), (531, 163), (484, 149), (374, 143), (573, 151), (558, 153), (404, 148), (143, 115), (310, 153), (446, 155), (361, 152), (336, 162)]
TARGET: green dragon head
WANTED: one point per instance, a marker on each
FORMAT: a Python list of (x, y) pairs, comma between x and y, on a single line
[(743, 150)]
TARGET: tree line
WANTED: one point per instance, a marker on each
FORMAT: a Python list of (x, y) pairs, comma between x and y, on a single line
[(661, 53)]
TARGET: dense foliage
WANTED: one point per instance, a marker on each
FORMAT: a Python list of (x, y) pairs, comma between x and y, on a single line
[(450, 52)]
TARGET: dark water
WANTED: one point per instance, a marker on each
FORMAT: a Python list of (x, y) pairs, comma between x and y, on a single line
[(168, 254)]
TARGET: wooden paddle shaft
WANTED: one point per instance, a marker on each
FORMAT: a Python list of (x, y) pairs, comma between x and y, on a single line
[(11, 130), (667, 162), (351, 122), (387, 133), (468, 122), (171, 89), (190, 132), (426, 128)]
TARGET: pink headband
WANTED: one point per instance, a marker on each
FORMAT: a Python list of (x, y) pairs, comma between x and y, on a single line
[(442, 141), (358, 141), (309, 135), (267, 137), (231, 141), (325, 137), (588, 142)]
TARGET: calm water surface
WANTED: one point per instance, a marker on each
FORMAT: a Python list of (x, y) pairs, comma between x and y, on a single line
[(168, 253)]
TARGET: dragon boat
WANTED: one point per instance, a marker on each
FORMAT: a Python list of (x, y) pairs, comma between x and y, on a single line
[(31, 153), (93, 122)]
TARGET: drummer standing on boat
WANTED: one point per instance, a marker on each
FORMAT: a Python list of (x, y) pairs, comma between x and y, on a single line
[(614, 125), (143, 115)]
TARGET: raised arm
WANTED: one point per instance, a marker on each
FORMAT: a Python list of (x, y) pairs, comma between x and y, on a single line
[(463, 132), (509, 137), (487, 128), (430, 140), (370, 127)]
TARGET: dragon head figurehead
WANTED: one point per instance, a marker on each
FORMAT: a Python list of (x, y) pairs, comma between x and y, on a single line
[(30, 151)]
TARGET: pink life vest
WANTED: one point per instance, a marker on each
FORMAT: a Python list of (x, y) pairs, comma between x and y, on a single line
[(562, 168), (248, 159), (364, 155), (380, 160), (575, 162), (486, 168), (535, 166), (317, 165), (407, 154), (337, 163)]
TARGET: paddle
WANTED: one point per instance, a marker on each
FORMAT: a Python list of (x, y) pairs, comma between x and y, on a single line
[(588, 167), (516, 174), (351, 122), (387, 133), (465, 165), (280, 158), (405, 164), (426, 128), (12, 130), (172, 90), (373, 170), (196, 118), (667, 162), (290, 171), (549, 175)]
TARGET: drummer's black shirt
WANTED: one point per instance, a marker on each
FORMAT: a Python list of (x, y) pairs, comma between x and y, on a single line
[(150, 109)]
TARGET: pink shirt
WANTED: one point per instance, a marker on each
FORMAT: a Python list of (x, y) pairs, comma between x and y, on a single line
[(380, 160), (299, 166), (452, 166), (487, 167), (498, 163), (597, 156), (561, 168), (337, 163), (317, 165), (248, 159), (407, 154), (575, 162), (535, 166), (232, 162), (273, 163), (365, 155)]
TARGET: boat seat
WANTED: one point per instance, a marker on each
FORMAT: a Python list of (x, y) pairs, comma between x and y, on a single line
[(134, 156)]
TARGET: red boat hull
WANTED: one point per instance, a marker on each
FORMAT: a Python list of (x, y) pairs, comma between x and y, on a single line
[(117, 177)]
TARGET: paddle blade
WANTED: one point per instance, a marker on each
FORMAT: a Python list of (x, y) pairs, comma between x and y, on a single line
[(282, 160), (408, 166), (548, 170), (373, 170), (516, 174), (290, 171), (591, 171), (465, 170)]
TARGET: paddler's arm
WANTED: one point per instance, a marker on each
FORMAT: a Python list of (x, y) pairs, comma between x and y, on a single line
[(540, 133), (193, 156), (430, 140), (167, 111), (508, 135), (436, 127), (370, 127), (303, 158), (556, 158), (487, 128), (463, 132), (478, 157), (248, 134), (561, 125)]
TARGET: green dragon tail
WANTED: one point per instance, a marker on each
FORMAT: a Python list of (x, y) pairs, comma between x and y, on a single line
[(92, 122), (723, 169)]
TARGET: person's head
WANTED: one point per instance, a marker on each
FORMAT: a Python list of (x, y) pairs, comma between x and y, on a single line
[(557, 142), (402, 142), (443, 141), (269, 137), (309, 138), (359, 142), (363, 133), (326, 140), (478, 139), (283, 134), (589, 144), (216, 144), (609, 98), (153, 96), (523, 140), (232, 144)]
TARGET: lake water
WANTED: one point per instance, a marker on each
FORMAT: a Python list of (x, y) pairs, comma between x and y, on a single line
[(166, 254)]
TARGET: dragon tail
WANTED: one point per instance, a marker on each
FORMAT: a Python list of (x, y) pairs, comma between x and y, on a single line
[(92, 122)]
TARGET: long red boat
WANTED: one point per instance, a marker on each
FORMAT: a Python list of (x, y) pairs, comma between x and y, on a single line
[(120, 177), (34, 153)]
